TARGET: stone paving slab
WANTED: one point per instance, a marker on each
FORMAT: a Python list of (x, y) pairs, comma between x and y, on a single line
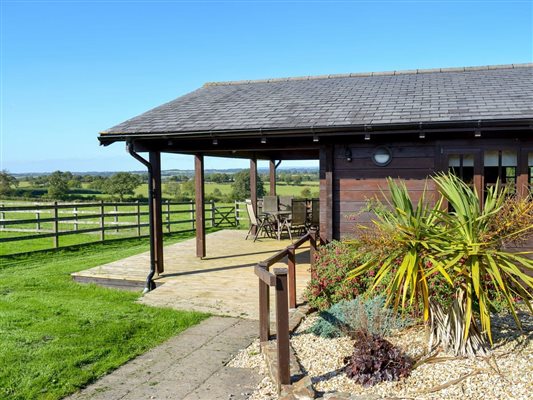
[(189, 366)]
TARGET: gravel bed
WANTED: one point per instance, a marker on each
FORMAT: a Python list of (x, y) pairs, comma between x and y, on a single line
[(507, 373)]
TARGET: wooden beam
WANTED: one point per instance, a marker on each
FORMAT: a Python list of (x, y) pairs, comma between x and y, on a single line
[(522, 179), (272, 168), (253, 187), (326, 193), (199, 197), (155, 160)]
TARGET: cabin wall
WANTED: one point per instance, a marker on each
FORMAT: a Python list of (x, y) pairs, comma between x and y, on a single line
[(346, 186)]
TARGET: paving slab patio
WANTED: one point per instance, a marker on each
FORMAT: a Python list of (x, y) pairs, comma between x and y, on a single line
[(189, 366), (223, 283)]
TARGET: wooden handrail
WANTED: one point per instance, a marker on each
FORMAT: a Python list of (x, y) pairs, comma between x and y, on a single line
[(284, 281)]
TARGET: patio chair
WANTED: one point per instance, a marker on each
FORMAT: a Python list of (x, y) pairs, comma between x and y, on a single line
[(285, 203), (297, 220), (261, 224), (270, 203), (314, 220)]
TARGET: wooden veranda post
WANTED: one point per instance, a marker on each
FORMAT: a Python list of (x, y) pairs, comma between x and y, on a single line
[(199, 198), (326, 193), (253, 187), (264, 308), (155, 160), (522, 181), (272, 170)]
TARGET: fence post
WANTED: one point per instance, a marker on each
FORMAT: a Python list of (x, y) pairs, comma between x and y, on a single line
[(264, 308), (76, 220), (291, 262), (138, 218), (236, 214), (38, 220), (168, 216), (2, 217), (192, 215), (102, 221), (115, 219), (212, 213), (56, 226), (282, 326)]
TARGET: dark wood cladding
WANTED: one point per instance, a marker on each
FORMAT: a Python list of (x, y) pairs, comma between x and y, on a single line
[(355, 181)]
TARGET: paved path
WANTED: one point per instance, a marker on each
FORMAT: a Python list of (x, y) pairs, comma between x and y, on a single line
[(190, 366)]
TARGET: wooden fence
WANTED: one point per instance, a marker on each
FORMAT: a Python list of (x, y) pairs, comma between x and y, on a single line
[(284, 282), (107, 219)]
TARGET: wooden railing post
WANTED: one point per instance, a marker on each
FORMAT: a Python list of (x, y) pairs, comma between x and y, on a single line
[(236, 213), (282, 326), (115, 218), (192, 219), (264, 308), (56, 226), (138, 218), (75, 210), (168, 216), (212, 213), (37, 220), (312, 250), (291, 262), (102, 221)]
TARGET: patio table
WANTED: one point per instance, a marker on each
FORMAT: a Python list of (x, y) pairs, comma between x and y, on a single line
[(280, 217)]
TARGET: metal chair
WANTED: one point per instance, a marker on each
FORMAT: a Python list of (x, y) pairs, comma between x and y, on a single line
[(285, 203), (270, 203), (297, 220), (262, 224), (314, 220)]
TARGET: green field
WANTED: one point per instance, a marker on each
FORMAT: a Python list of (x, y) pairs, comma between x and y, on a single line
[(58, 336)]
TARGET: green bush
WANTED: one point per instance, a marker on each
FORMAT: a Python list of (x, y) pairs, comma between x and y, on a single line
[(350, 316), (328, 284)]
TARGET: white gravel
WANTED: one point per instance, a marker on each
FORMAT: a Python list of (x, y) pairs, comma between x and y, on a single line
[(507, 373)]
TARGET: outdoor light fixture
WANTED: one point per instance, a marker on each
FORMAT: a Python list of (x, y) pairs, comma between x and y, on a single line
[(477, 133), (263, 140), (422, 135), (367, 136), (215, 141), (315, 138), (348, 154), (382, 156)]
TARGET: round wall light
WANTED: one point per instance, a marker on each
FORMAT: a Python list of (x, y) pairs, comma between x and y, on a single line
[(382, 156)]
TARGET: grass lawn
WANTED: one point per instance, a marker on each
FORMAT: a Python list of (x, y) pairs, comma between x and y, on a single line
[(57, 336)]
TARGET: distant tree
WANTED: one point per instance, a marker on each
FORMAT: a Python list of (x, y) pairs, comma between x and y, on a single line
[(305, 193), (173, 189), (241, 186), (122, 184), (8, 183), (297, 180), (58, 184), (98, 183), (188, 188)]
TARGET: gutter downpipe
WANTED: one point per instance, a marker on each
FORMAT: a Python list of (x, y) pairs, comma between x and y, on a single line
[(150, 285)]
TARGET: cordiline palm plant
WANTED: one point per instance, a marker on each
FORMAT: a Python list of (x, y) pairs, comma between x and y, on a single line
[(408, 232), (465, 247), (471, 251)]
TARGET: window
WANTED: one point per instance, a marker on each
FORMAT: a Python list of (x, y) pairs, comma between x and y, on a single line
[(500, 165), (462, 165)]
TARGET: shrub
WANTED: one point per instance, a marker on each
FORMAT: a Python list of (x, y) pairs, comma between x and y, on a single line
[(350, 316), (375, 360), (328, 284)]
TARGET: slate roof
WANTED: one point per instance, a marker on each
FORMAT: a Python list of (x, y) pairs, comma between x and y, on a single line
[(399, 97)]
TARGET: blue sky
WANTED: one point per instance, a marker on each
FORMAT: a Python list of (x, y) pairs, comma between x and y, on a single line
[(70, 69)]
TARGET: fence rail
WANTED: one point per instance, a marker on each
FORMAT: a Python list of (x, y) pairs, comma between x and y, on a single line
[(128, 219)]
